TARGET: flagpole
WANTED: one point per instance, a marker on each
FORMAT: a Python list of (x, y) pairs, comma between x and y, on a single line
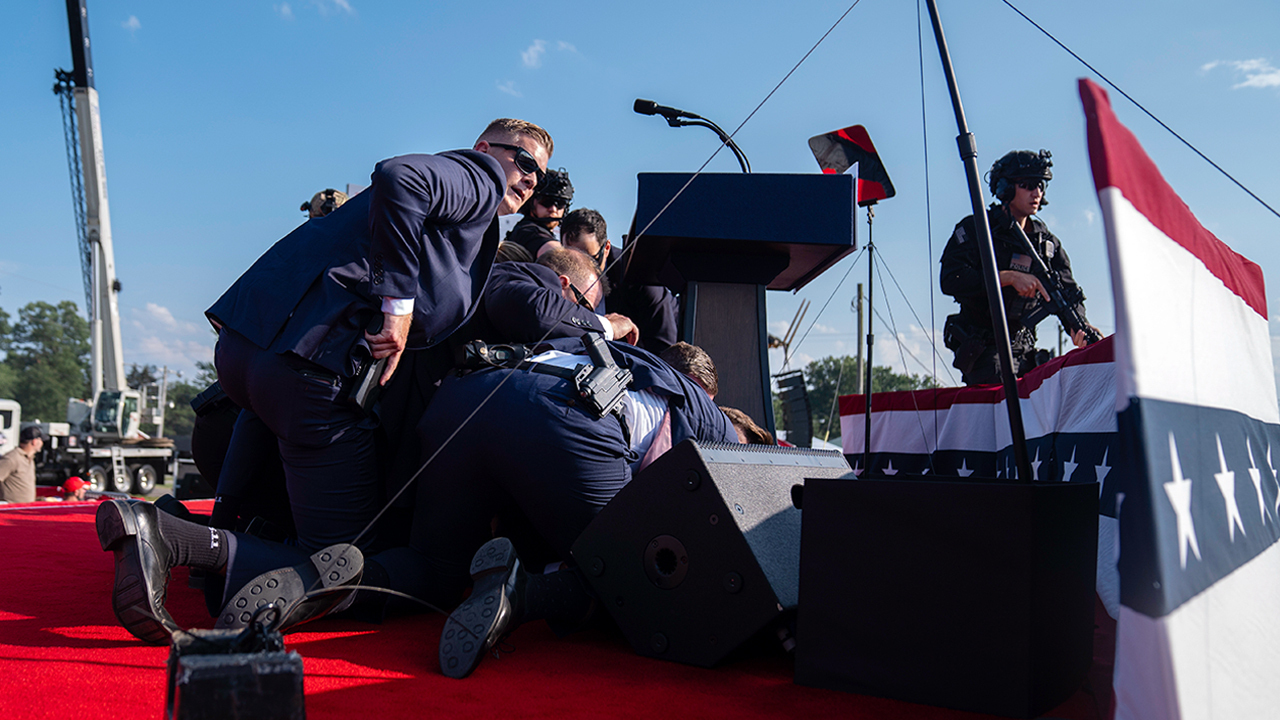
[(986, 250)]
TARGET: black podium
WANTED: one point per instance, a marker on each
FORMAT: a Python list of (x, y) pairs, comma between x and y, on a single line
[(726, 239)]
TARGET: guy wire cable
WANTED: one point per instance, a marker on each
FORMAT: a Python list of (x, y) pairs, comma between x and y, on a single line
[(830, 297), (624, 253), (933, 341), (898, 339), (1128, 97)]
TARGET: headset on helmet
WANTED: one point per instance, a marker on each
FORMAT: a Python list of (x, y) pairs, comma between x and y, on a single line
[(555, 185), (1017, 165)]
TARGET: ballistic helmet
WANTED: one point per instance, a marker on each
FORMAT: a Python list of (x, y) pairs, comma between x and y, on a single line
[(1018, 165), (555, 185), (324, 202)]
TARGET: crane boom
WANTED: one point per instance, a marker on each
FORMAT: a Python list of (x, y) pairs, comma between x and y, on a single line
[(107, 361)]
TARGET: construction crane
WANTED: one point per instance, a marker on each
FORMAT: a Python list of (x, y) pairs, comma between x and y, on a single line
[(102, 439)]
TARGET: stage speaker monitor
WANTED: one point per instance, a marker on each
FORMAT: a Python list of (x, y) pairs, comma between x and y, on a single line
[(702, 549)]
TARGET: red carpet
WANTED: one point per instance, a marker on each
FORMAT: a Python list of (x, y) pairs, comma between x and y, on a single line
[(62, 655)]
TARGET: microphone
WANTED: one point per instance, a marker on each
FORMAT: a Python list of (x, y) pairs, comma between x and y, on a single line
[(649, 107)]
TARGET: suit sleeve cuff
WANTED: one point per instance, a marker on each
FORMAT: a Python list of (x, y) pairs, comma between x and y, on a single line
[(608, 327), (397, 306)]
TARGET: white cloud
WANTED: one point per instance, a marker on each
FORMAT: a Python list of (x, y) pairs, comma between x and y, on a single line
[(562, 45), (1090, 216), (532, 57), (509, 87), (285, 10), (328, 6), (1257, 73), (131, 24)]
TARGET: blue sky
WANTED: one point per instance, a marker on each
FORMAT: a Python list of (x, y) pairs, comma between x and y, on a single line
[(219, 120)]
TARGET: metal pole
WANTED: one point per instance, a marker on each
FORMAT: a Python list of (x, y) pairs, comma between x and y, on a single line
[(871, 339), (858, 309), (999, 324)]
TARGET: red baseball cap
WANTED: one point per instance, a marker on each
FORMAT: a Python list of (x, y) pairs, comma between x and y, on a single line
[(73, 484)]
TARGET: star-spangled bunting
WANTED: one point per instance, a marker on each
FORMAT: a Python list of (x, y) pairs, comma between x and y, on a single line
[(1227, 486), (1179, 492)]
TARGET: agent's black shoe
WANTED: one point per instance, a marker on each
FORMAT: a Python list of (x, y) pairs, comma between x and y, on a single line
[(131, 530), (332, 567), (491, 612)]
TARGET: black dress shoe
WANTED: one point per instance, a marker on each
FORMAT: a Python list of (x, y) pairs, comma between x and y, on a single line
[(332, 567), (130, 530), (492, 611)]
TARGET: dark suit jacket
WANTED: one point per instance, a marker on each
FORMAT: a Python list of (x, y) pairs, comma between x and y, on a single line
[(424, 229), (522, 304), (653, 308)]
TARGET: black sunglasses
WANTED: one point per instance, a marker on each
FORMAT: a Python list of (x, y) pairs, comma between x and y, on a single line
[(523, 160), (1031, 184), (582, 299), (548, 202)]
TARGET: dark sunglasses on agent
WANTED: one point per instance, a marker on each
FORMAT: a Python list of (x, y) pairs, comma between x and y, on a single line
[(582, 299), (550, 202), (1031, 184), (523, 159)]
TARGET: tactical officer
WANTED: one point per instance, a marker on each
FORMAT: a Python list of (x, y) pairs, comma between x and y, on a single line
[(543, 212), (323, 203), (1018, 180)]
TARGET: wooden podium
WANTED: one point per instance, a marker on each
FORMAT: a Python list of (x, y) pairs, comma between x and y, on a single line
[(721, 243)]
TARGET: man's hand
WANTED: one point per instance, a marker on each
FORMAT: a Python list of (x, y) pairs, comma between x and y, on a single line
[(1025, 284), (623, 328), (1077, 337), (390, 342)]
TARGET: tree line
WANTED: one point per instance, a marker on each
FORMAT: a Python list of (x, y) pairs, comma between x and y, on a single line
[(46, 362), (830, 377)]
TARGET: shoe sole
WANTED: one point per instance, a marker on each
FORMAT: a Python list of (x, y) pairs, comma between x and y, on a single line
[(130, 597), (467, 630), (336, 565)]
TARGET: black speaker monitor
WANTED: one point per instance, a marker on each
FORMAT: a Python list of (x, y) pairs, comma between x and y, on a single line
[(702, 549)]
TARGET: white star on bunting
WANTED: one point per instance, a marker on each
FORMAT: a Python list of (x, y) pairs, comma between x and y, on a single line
[(1179, 492), (1103, 470), (1035, 466), (1227, 486), (1069, 467), (889, 469), (964, 470), (1256, 476)]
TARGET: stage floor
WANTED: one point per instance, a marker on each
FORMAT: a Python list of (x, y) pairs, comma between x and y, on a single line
[(63, 655)]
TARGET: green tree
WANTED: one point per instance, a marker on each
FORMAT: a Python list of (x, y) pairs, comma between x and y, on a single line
[(141, 375), (830, 377), (46, 358), (8, 380), (207, 375), (179, 419)]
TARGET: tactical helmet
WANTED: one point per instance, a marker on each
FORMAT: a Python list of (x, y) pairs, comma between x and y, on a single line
[(324, 202), (555, 184), (1017, 165)]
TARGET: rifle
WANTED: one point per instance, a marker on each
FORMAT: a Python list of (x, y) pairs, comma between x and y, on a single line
[(1062, 301)]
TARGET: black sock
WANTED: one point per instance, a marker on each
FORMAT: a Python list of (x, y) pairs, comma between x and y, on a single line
[(560, 598), (193, 545)]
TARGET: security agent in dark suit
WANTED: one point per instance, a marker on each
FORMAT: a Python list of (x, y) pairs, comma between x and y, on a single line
[(555, 297), (536, 446), (652, 308), (414, 250)]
